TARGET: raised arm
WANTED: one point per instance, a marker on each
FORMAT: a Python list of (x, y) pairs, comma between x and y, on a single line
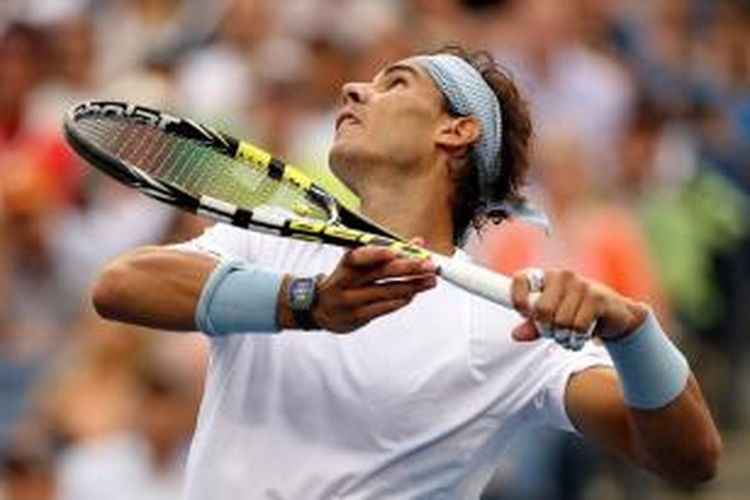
[(161, 288), (155, 287), (649, 408), (679, 441)]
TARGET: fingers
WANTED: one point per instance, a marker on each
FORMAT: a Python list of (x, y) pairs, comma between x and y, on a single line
[(368, 282), (525, 332), (368, 256), (371, 255), (369, 264), (570, 304), (391, 291), (526, 286), (400, 267), (343, 311), (552, 295), (519, 293), (590, 309), (567, 311)]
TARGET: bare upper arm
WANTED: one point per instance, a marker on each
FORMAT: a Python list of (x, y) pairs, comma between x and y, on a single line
[(679, 441), (593, 402), (156, 287)]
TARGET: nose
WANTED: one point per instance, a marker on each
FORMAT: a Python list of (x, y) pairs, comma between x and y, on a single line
[(354, 92)]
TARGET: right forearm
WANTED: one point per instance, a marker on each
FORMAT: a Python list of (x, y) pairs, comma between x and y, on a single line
[(173, 290), (153, 287)]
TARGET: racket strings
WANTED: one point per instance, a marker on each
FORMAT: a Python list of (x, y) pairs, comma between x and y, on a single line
[(160, 155), (185, 163)]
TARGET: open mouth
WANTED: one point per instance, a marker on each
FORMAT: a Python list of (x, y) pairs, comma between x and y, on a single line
[(346, 117)]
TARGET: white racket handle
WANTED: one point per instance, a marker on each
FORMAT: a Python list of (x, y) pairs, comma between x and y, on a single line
[(478, 280)]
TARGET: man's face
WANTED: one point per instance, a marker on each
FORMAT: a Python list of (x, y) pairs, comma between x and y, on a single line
[(390, 120)]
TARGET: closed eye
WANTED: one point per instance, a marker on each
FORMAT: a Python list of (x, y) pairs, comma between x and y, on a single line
[(396, 75), (396, 81)]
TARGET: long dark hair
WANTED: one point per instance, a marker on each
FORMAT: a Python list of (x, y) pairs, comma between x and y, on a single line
[(512, 160)]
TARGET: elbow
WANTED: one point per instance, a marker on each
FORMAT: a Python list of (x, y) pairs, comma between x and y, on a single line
[(107, 289), (702, 465), (120, 284), (707, 467)]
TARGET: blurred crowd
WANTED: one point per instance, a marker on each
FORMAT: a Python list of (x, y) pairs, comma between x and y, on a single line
[(641, 111)]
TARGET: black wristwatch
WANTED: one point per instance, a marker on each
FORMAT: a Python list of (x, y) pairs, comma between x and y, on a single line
[(301, 297)]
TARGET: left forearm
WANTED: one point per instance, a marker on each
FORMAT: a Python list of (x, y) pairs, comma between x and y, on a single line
[(679, 441), (672, 429)]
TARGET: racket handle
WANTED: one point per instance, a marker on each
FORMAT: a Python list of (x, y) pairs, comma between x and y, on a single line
[(478, 280)]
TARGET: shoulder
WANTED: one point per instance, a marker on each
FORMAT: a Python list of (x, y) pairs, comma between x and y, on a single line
[(275, 252), (219, 240)]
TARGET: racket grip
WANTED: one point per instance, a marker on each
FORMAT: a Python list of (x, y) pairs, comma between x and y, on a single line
[(478, 280)]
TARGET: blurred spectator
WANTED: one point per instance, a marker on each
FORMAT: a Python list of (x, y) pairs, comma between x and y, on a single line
[(70, 77), (439, 20), (145, 460), (220, 78), (725, 71), (568, 84), (32, 321), (121, 403), (27, 472), (26, 148), (90, 391), (132, 31), (660, 51), (20, 46)]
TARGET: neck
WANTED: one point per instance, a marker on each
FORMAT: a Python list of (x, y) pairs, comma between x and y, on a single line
[(412, 206)]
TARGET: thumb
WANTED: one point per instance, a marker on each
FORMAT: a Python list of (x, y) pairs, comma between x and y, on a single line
[(525, 332)]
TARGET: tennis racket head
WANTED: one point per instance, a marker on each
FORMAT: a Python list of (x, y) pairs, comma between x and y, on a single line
[(197, 168), (181, 162)]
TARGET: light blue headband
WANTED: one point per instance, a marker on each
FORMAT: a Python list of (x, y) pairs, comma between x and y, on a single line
[(468, 94)]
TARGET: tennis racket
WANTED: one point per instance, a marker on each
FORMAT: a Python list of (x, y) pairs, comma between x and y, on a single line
[(196, 168)]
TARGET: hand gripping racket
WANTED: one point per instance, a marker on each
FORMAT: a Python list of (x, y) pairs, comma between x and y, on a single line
[(196, 168)]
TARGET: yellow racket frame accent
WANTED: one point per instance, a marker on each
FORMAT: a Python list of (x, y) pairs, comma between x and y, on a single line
[(261, 159), (320, 231), (256, 156)]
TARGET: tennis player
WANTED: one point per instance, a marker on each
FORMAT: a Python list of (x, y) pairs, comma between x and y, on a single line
[(431, 383)]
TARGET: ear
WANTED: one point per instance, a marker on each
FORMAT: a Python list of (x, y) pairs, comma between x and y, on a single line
[(455, 133)]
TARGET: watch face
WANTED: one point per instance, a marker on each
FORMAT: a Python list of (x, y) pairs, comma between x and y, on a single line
[(301, 293)]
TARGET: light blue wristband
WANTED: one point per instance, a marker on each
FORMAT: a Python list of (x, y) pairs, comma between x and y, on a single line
[(238, 297), (652, 371)]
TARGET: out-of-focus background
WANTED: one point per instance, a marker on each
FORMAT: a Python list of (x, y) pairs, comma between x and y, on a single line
[(642, 116)]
